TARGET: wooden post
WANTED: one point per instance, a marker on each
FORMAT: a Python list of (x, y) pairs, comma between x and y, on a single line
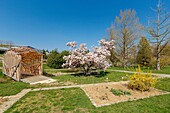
[(41, 66), (18, 72)]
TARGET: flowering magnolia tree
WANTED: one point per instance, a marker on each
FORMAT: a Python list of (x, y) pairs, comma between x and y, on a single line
[(85, 59)]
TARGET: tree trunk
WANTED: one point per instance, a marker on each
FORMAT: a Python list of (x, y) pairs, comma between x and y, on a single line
[(124, 63), (124, 53), (158, 58), (158, 62), (158, 40)]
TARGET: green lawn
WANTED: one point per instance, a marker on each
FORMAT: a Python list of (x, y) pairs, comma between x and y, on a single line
[(0, 64), (164, 84), (81, 79), (46, 67), (165, 70), (9, 86), (52, 70), (70, 79), (74, 100)]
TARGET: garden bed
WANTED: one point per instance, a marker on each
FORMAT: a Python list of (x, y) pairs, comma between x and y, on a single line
[(101, 95)]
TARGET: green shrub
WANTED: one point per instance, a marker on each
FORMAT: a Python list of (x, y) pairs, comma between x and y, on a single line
[(141, 81), (45, 55), (119, 92), (55, 59)]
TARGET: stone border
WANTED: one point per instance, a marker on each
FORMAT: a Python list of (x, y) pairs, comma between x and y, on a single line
[(92, 101), (111, 103)]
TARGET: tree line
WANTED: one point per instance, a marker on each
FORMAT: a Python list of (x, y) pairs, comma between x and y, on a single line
[(132, 47), (152, 50)]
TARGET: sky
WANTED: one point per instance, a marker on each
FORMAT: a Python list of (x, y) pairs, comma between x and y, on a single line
[(50, 24)]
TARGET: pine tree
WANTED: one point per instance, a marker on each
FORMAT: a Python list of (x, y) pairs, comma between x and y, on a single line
[(144, 53)]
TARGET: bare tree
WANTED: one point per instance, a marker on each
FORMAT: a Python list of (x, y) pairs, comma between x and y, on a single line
[(159, 29), (10, 43), (113, 56), (126, 27)]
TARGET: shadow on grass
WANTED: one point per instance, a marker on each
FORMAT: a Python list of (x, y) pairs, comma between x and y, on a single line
[(95, 74), (48, 74)]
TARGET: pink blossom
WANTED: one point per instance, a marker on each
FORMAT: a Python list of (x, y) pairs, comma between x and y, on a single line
[(82, 57)]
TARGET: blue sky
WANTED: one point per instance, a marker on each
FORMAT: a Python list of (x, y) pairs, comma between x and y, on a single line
[(49, 24)]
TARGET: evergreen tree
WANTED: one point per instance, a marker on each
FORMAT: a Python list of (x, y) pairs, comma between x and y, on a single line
[(55, 58), (144, 53)]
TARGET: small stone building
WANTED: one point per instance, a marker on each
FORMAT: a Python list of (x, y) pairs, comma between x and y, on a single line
[(22, 62)]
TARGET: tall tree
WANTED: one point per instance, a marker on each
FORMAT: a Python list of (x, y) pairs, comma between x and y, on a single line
[(159, 29), (127, 28), (144, 53), (113, 56)]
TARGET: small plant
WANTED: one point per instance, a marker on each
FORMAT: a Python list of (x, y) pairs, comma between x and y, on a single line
[(119, 92), (141, 81)]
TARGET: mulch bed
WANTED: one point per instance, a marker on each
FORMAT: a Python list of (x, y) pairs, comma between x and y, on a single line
[(100, 95)]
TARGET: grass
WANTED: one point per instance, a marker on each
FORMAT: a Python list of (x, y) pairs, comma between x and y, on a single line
[(1, 55), (70, 79), (0, 64), (52, 70), (10, 87), (165, 70), (46, 67), (163, 84), (81, 79), (74, 100)]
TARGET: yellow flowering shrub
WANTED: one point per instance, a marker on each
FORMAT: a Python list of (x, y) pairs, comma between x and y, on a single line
[(141, 81)]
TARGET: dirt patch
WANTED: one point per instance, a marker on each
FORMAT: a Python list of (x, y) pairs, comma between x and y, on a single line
[(101, 95), (2, 100)]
